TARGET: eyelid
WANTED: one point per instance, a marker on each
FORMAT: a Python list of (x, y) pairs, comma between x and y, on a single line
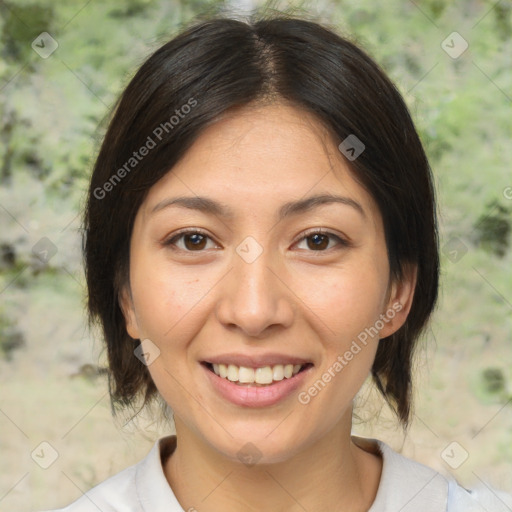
[(169, 241), (343, 241)]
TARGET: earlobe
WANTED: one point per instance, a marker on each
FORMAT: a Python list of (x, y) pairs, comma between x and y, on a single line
[(399, 301), (126, 305)]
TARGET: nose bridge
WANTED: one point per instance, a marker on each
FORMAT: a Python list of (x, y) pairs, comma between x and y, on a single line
[(254, 297), (252, 271)]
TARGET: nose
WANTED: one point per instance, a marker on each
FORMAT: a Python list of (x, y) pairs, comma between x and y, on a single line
[(255, 298)]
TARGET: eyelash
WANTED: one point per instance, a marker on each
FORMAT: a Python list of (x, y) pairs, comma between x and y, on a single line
[(342, 242)]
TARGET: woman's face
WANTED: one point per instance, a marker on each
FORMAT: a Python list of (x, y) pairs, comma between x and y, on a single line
[(233, 264)]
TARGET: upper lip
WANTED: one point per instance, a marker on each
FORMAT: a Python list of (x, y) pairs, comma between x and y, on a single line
[(255, 361)]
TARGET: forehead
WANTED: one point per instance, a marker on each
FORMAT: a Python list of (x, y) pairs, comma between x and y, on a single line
[(255, 157)]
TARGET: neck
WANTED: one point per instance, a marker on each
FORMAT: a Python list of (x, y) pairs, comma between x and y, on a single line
[(331, 474)]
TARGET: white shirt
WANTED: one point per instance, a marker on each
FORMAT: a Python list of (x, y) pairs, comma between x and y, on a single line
[(405, 486)]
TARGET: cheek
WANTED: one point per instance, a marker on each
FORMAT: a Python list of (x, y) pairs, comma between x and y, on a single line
[(348, 307), (165, 298), (170, 312), (346, 300)]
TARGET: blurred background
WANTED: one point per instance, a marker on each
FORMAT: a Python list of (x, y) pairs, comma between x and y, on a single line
[(62, 66)]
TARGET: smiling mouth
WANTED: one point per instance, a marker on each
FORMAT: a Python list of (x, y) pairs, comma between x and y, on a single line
[(262, 376)]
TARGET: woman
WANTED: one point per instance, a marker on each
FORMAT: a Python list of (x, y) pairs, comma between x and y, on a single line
[(260, 236)]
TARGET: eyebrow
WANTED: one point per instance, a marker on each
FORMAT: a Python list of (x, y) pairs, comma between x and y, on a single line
[(209, 206)]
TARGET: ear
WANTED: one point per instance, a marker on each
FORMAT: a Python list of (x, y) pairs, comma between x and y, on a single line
[(399, 301), (128, 309)]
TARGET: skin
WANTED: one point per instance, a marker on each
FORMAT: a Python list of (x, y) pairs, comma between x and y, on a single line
[(293, 299)]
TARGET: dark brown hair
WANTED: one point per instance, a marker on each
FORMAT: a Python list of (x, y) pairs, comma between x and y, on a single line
[(223, 63)]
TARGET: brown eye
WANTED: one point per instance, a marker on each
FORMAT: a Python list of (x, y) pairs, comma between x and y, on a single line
[(194, 241), (190, 241), (320, 241)]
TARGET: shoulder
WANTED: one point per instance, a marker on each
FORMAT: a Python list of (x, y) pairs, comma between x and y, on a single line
[(477, 499), (117, 491), (410, 486), (139, 488)]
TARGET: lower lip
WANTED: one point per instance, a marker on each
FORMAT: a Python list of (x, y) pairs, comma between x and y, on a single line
[(256, 396)]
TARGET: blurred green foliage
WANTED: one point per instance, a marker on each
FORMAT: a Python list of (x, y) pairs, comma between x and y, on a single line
[(492, 229), (10, 338), (494, 380)]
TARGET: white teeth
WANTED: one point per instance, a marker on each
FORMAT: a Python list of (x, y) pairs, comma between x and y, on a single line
[(278, 372), (262, 375), (245, 374), (232, 372)]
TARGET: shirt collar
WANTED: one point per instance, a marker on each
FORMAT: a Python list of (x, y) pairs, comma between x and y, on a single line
[(405, 485), (153, 491)]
